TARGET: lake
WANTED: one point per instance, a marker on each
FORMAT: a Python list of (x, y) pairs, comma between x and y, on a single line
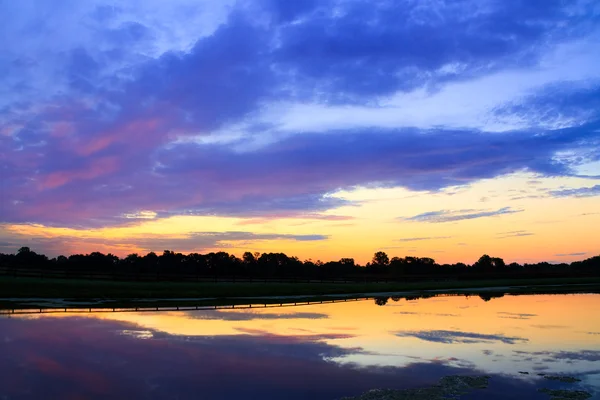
[(320, 351)]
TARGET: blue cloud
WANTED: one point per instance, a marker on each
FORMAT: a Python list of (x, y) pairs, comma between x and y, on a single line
[(458, 215), (359, 48), (582, 355), (450, 337), (579, 192), (558, 104)]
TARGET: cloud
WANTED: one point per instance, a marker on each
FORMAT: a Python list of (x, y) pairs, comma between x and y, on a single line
[(416, 239), (520, 233), (578, 192), (191, 242), (457, 215), (549, 326), (249, 315), (455, 39), (449, 337), (516, 315), (95, 43), (583, 355), (262, 364), (208, 239), (262, 110), (571, 254), (420, 313)]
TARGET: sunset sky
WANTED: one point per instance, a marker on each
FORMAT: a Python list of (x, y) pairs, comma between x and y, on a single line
[(318, 128)]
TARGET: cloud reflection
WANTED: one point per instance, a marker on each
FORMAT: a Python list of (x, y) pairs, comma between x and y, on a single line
[(451, 337), (75, 357), (249, 315)]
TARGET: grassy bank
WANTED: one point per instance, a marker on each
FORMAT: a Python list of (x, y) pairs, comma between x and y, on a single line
[(124, 292)]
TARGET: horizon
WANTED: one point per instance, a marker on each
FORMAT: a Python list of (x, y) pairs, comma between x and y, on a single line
[(321, 129)]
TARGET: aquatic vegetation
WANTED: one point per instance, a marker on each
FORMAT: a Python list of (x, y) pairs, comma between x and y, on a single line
[(564, 379), (561, 394), (449, 387)]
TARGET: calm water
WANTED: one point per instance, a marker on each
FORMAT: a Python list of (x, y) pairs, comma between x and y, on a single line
[(308, 352)]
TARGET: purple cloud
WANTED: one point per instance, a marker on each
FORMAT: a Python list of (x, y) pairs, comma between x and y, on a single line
[(191, 242), (109, 111)]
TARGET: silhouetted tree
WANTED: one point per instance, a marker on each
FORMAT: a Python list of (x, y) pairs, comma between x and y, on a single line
[(380, 258), (381, 301), (171, 265), (248, 258)]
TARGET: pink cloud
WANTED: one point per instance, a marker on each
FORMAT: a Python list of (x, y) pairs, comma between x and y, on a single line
[(100, 167)]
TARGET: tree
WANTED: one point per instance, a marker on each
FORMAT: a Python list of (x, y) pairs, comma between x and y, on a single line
[(380, 258), (397, 266), (381, 301), (248, 258), (24, 250), (497, 262), (487, 263), (484, 262)]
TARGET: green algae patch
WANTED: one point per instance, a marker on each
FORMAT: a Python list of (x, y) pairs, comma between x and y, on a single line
[(449, 387), (559, 394)]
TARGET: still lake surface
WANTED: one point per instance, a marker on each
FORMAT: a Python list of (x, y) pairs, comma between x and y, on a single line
[(323, 351)]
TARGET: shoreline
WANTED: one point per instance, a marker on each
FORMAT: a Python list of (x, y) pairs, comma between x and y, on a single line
[(27, 293)]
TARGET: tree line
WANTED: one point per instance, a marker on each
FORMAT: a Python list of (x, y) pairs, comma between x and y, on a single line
[(221, 264)]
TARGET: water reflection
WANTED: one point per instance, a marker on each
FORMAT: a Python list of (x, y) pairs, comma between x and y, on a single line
[(323, 351)]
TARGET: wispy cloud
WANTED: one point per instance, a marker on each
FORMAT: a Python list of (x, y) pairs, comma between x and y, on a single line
[(417, 239), (449, 337), (504, 235), (458, 215), (583, 355), (578, 192), (571, 254), (420, 313), (511, 315), (190, 242), (251, 315)]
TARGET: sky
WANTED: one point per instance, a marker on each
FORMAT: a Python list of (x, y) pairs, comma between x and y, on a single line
[(318, 128)]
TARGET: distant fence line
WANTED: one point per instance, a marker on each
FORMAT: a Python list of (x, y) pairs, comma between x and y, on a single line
[(80, 310)]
